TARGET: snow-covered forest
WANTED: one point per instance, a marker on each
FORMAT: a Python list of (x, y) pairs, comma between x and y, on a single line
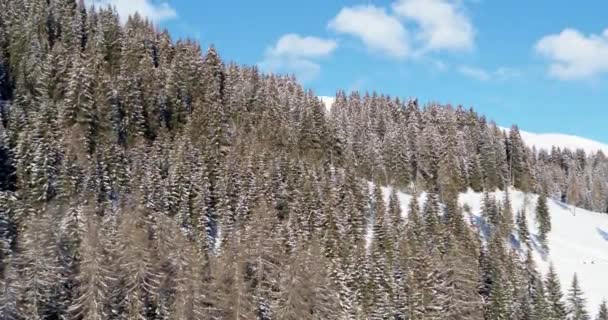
[(145, 178)]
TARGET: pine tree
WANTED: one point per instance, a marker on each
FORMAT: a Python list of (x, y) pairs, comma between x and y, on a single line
[(38, 266), (381, 260), (543, 218), (497, 309), (522, 229), (459, 285), (557, 309), (394, 212), (507, 214), (539, 303), (191, 300), (518, 159), (431, 217), (8, 227), (576, 302), (603, 313), (94, 276), (489, 210), (9, 289), (136, 280), (476, 176)]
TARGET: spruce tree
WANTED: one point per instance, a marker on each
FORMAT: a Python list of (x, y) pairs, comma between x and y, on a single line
[(497, 309), (9, 289), (518, 159), (459, 283), (603, 313), (576, 302), (522, 229), (539, 303), (94, 278), (394, 212), (557, 308), (543, 218), (507, 214)]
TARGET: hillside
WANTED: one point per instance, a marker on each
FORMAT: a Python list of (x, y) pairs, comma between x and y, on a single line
[(147, 178), (547, 141), (578, 242)]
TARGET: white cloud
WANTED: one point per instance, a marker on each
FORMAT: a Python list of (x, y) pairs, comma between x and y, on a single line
[(573, 55), (501, 73), (294, 54), (293, 45), (473, 72), (443, 24), (505, 73), (155, 11), (304, 70), (377, 29)]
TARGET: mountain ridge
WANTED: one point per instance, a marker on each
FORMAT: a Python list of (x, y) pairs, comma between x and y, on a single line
[(544, 141)]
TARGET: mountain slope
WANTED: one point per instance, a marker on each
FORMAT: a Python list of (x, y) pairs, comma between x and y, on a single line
[(548, 140), (578, 242), (539, 140)]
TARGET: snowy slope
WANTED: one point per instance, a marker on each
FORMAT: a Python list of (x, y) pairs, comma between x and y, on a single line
[(327, 101), (548, 140), (578, 241)]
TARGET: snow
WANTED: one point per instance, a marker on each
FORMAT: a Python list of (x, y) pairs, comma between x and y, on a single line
[(548, 140), (404, 202), (578, 241), (327, 101), (539, 140)]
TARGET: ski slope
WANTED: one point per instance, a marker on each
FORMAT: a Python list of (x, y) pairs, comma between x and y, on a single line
[(578, 242)]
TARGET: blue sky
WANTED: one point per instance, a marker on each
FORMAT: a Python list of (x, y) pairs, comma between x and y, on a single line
[(541, 64)]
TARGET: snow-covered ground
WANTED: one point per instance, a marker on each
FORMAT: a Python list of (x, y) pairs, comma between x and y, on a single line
[(548, 140), (578, 242)]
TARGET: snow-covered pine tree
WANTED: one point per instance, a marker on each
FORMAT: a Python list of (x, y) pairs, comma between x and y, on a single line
[(543, 218), (539, 303), (557, 308), (575, 302), (603, 312)]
